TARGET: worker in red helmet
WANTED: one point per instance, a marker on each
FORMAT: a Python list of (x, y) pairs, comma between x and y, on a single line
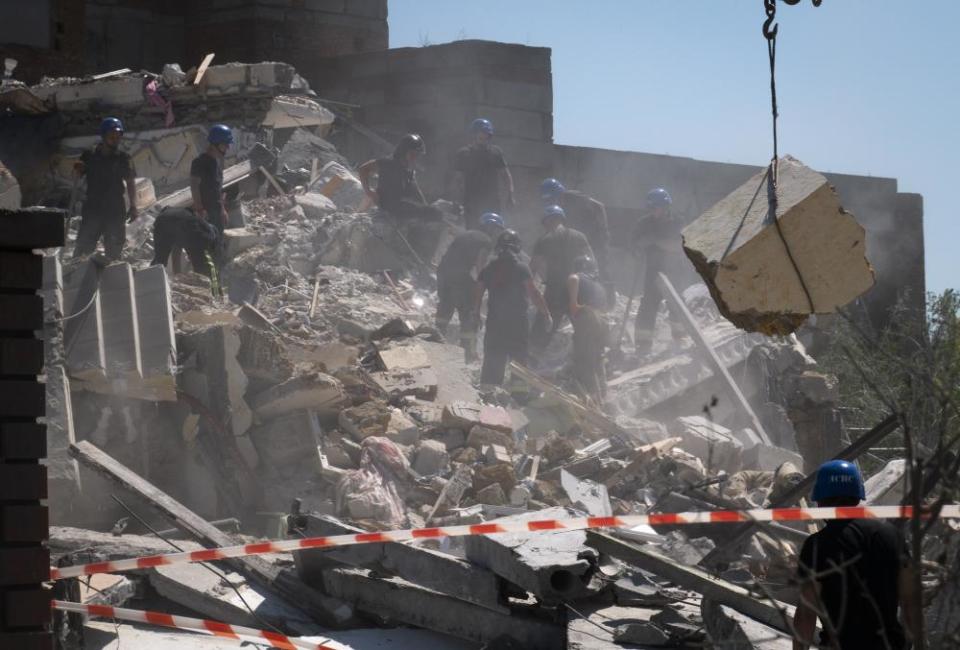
[(853, 574), (107, 170)]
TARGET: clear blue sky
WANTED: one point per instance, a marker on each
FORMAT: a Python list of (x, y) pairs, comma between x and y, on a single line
[(864, 86)]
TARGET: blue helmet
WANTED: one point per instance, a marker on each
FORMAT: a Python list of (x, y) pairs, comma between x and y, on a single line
[(220, 134), (658, 198), (491, 219), (553, 211), (481, 125), (838, 478), (109, 125), (550, 189)]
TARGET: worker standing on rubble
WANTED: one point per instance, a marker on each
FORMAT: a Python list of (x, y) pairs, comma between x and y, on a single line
[(587, 302), (482, 168), (176, 228), (206, 177), (553, 257), (853, 574), (456, 286), (655, 240), (589, 216), (107, 170), (510, 283), (397, 191)]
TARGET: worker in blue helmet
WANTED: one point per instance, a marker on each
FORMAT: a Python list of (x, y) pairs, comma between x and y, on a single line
[(456, 283), (657, 246), (206, 177), (109, 172), (483, 172), (853, 574), (553, 261), (589, 216)]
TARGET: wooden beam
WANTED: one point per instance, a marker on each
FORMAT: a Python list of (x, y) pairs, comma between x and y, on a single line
[(674, 299), (202, 70), (769, 612), (791, 496), (256, 569)]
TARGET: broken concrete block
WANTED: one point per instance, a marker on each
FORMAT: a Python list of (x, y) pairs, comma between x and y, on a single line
[(421, 383), (401, 429), (217, 379), (689, 552), (287, 439), (586, 495), (121, 334), (738, 631), (317, 391), (237, 240), (739, 252), (501, 473), (481, 435), (493, 454), (492, 495), (769, 457), (641, 633), (465, 415), (887, 487), (712, 443), (368, 419), (263, 356), (431, 458), (248, 451), (315, 205), (158, 343), (555, 568)]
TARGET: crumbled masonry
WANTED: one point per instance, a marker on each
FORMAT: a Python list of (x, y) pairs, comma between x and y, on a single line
[(315, 397)]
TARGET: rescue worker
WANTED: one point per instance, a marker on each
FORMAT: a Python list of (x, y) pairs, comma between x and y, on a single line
[(510, 283), (589, 216), (456, 286), (182, 228), (587, 302), (553, 257), (206, 178), (397, 191), (107, 170), (853, 574), (655, 240), (483, 169)]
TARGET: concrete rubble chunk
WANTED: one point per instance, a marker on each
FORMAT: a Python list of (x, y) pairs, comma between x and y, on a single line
[(480, 435), (555, 568), (466, 415), (739, 631), (586, 495), (712, 443), (492, 495), (431, 458), (317, 391), (288, 439), (216, 377), (237, 240), (493, 454), (769, 457), (642, 633), (158, 344), (121, 333), (887, 487), (315, 205), (368, 419), (738, 251), (501, 473)]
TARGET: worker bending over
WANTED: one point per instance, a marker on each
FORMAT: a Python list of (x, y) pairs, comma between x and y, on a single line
[(853, 574), (456, 283), (587, 302), (510, 284), (396, 191), (107, 170), (183, 228), (483, 169)]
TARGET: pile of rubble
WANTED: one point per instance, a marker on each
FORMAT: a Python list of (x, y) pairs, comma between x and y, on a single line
[(318, 381)]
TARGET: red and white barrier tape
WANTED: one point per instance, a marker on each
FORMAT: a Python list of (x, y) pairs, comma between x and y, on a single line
[(494, 527), (196, 625)]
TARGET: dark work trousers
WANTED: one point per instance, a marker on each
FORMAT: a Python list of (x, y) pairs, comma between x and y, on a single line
[(589, 340), (93, 226), (502, 343), (645, 325), (456, 293), (555, 294)]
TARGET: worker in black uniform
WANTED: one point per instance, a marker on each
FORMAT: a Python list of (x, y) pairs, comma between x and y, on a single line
[(853, 574), (107, 170), (510, 284), (589, 216), (483, 169), (553, 257), (396, 191), (183, 228), (206, 177), (456, 284), (656, 240), (587, 302)]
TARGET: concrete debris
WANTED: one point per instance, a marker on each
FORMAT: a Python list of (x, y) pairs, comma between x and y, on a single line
[(888, 486), (770, 277)]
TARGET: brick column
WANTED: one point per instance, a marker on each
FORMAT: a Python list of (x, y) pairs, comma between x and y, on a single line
[(24, 556)]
